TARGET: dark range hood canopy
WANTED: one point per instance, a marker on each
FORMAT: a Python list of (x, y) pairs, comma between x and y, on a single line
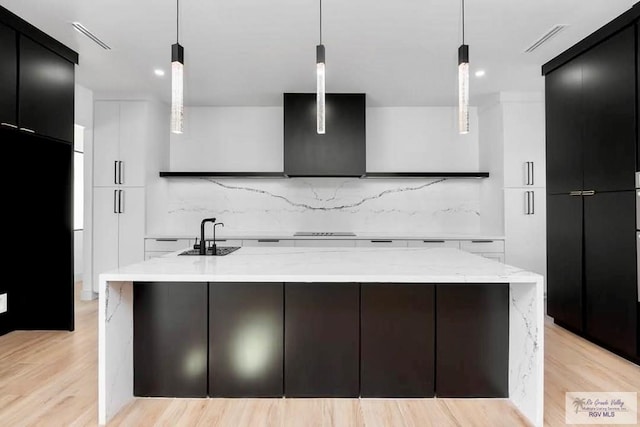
[(340, 152)]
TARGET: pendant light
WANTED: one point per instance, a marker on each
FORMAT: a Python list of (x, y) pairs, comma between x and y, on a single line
[(463, 83), (177, 79), (320, 81)]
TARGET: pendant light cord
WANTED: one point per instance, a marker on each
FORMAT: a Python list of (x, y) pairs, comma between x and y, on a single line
[(320, 21), (462, 21), (178, 21)]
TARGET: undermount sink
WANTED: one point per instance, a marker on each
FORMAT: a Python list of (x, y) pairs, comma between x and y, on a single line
[(220, 251)]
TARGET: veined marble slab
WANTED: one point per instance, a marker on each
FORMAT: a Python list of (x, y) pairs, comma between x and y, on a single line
[(362, 265)]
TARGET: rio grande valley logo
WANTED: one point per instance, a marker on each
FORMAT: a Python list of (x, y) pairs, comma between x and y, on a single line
[(601, 408)]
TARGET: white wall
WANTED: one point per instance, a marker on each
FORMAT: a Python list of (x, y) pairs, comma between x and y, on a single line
[(84, 117), (251, 139)]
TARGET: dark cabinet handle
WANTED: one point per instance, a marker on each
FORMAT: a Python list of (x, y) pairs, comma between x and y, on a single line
[(115, 172), (9, 125), (120, 164), (166, 240), (115, 201), (532, 173), (381, 241), (268, 240), (482, 241), (433, 241), (120, 202)]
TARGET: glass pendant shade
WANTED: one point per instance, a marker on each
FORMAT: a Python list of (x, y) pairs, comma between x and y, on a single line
[(463, 89), (177, 88), (320, 89)]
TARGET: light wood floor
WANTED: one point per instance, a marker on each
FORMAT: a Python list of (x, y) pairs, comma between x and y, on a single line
[(50, 379)]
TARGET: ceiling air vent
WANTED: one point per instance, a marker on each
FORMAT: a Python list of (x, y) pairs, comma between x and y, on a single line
[(83, 30), (546, 37)]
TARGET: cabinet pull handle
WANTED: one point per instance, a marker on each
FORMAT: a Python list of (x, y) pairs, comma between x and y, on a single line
[(381, 241), (433, 241), (115, 200), (115, 172), (28, 130), (589, 193), (531, 169), (166, 240), (120, 165), (528, 173), (527, 206), (9, 125), (575, 193), (482, 241), (532, 206), (120, 202), (268, 240)]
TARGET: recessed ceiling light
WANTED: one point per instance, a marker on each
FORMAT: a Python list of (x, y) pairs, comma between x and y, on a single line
[(158, 72), (480, 73)]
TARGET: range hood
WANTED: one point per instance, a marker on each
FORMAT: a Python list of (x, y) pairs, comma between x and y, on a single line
[(340, 152)]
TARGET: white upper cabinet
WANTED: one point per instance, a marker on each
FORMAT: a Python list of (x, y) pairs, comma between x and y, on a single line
[(524, 144), (105, 143), (120, 137)]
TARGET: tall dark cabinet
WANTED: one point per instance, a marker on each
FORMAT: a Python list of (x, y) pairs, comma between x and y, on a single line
[(8, 76), (36, 126), (592, 157)]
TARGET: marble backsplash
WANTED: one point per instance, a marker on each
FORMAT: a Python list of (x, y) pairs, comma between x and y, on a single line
[(404, 206)]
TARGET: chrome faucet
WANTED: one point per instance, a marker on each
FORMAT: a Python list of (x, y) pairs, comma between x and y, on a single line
[(203, 242)]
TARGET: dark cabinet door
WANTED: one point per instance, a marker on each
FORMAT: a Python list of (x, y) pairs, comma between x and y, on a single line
[(610, 270), (564, 127), (638, 106), (397, 336), (564, 260), (609, 100), (472, 340), (246, 339), (8, 76), (322, 342), (46, 304), (46, 91), (170, 339)]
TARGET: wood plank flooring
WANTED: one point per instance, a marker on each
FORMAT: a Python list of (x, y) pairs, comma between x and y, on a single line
[(50, 379)]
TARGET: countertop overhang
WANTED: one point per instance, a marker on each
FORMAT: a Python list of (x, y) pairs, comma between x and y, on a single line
[(363, 265)]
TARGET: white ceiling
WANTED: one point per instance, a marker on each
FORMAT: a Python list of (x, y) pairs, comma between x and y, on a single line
[(248, 52)]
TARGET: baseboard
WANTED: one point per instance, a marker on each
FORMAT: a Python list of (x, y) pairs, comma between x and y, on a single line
[(88, 295)]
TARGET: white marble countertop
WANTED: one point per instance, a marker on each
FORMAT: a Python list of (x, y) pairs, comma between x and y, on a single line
[(359, 236), (373, 265)]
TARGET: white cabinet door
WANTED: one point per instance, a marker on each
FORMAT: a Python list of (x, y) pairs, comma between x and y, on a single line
[(524, 144), (268, 243), (105, 143), (105, 232), (434, 244), (131, 247), (525, 234), (134, 127), (381, 243)]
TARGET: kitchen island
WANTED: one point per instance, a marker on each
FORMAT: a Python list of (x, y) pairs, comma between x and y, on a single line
[(322, 322)]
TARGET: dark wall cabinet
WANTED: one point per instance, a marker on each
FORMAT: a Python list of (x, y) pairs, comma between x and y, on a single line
[(397, 340), (46, 91), (322, 334), (8, 76), (170, 339), (246, 339), (472, 340), (592, 156), (591, 119)]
